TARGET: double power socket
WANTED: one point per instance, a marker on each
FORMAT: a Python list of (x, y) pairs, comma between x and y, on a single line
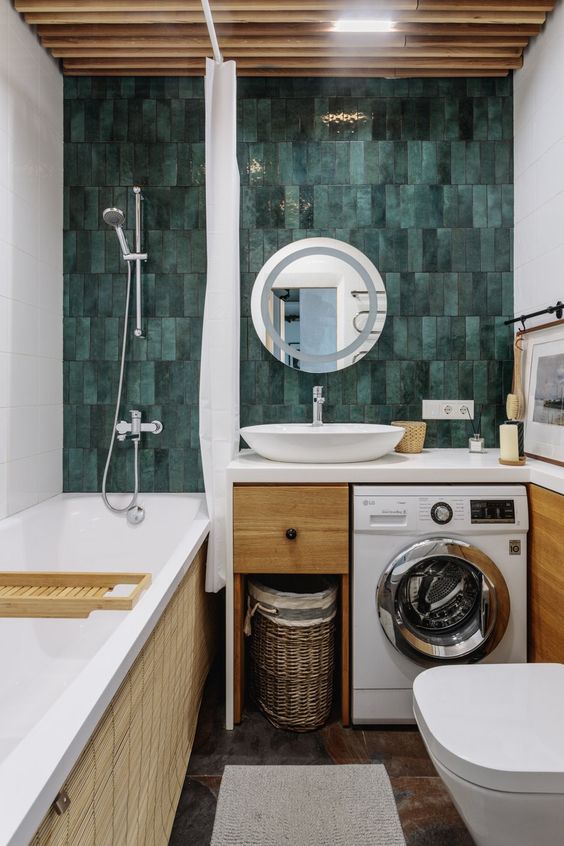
[(448, 410)]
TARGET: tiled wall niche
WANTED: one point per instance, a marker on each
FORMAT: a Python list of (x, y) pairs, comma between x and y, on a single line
[(418, 174)]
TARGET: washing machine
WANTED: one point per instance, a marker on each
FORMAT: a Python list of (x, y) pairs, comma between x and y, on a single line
[(439, 577)]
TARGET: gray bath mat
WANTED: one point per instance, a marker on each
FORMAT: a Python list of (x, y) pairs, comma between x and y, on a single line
[(307, 806)]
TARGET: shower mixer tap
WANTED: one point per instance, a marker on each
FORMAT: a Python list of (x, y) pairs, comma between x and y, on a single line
[(133, 430), (136, 257)]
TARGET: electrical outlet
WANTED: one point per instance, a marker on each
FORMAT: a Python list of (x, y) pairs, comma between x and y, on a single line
[(448, 410)]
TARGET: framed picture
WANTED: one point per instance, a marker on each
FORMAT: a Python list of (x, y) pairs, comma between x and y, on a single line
[(543, 351)]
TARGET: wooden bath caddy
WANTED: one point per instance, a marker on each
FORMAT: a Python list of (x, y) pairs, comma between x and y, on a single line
[(66, 594)]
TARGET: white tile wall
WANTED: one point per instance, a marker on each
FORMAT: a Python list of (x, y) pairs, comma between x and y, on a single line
[(31, 268), (539, 170)]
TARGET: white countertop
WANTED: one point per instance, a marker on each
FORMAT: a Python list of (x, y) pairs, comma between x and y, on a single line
[(429, 466)]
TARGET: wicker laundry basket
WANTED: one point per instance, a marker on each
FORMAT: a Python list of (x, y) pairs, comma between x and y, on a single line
[(292, 649)]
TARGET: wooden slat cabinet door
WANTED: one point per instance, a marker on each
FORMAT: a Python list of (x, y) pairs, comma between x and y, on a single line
[(546, 575), (291, 528)]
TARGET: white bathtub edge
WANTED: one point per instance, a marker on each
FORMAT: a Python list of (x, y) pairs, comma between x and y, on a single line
[(29, 781)]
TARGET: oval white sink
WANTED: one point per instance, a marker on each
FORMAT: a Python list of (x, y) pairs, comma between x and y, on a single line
[(331, 443)]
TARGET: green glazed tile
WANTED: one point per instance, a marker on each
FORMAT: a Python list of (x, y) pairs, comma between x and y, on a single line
[(458, 162), (480, 293), (494, 205), (495, 125), (451, 379), (400, 337), (503, 251), (473, 247), (168, 339), (415, 250), (393, 382), (356, 153), (421, 293), (487, 339), (473, 151), (429, 337), (473, 338), (436, 379), (487, 163)]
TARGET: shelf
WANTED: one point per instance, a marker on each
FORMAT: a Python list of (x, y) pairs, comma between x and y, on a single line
[(67, 594)]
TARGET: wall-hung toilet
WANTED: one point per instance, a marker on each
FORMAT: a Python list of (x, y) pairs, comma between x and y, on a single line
[(495, 734)]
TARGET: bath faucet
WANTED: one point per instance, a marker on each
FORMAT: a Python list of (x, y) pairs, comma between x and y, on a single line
[(132, 431), (318, 405)]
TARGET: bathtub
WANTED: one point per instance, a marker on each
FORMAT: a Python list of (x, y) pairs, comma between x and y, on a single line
[(58, 677)]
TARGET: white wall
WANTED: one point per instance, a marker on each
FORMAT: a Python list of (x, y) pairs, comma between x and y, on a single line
[(31, 271), (539, 170)]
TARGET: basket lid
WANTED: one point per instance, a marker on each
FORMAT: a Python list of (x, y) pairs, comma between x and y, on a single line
[(316, 603)]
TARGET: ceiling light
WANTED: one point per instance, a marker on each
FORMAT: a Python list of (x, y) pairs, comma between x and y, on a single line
[(366, 25)]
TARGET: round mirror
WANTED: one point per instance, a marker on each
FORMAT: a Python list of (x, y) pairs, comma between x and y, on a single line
[(318, 305)]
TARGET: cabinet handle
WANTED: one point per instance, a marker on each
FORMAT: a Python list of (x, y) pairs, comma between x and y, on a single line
[(291, 534)]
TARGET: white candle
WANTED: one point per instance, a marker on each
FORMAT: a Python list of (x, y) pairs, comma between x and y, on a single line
[(508, 443)]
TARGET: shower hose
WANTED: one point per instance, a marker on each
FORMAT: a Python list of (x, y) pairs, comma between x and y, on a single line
[(133, 500)]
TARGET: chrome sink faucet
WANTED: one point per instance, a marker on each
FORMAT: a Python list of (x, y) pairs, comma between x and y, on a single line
[(132, 431), (318, 401)]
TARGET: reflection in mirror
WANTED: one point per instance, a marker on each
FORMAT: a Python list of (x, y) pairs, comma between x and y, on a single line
[(307, 319), (319, 305)]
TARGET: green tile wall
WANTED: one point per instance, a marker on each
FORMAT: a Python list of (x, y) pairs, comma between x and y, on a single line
[(119, 132), (417, 174)]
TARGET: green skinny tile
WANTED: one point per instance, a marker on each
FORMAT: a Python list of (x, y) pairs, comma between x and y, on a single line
[(429, 337), (168, 339), (473, 338)]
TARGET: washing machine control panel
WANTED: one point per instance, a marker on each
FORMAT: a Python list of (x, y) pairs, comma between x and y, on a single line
[(428, 510), (441, 513), (492, 510)]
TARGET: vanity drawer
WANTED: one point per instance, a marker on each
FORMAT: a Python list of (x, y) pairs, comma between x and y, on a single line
[(291, 528)]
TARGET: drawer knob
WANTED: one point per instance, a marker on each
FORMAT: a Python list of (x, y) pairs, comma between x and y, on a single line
[(291, 534)]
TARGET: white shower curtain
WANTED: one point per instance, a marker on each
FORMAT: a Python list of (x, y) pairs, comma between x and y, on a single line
[(219, 371)]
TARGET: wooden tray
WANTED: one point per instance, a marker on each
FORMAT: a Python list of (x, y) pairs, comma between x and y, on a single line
[(66, 594)]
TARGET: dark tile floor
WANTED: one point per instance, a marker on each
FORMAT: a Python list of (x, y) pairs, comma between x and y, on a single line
[(426, 812)]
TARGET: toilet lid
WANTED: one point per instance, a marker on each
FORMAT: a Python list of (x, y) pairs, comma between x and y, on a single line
[(500, 726)]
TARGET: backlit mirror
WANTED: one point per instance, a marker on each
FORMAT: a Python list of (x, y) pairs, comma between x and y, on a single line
[(318, 305)]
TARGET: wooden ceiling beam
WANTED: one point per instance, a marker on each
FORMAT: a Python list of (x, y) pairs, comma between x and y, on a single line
[(286, 29), (239, 6), (310, 72), (307, 53), (384, 40), (119, 45), (277, 15), (466, 41), (489, 5), (505, 63), (358, 9)]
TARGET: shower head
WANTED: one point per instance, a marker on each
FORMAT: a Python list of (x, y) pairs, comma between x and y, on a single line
[(116, 218)]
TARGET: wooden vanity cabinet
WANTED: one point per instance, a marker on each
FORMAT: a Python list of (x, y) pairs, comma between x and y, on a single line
[(299, 529), (546, 575)]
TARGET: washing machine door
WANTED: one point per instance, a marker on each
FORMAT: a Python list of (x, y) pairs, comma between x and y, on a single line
[(442, 600)]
